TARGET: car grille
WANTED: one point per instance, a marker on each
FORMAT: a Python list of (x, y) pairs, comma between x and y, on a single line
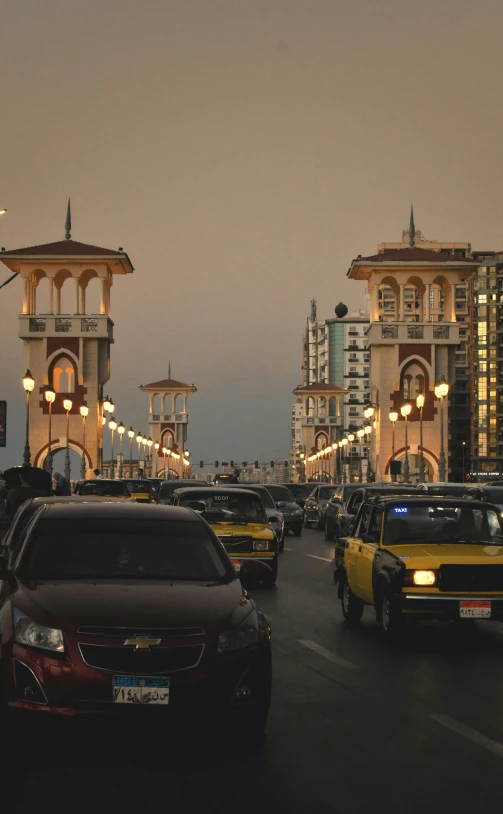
[(129, 632), (235, 544), (471, 578), (137, 662)]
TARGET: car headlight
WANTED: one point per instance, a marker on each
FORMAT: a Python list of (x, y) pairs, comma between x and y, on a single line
[(30, 634), (239, 638), (261, 545), (424, 578), (296, 512)]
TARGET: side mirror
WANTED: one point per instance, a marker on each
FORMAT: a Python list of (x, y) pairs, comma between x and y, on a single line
[(280, 504)]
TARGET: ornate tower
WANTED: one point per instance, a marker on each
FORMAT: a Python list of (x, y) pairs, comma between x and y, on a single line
[(412, 338), (321, 422), (66, 348), (168, 421)]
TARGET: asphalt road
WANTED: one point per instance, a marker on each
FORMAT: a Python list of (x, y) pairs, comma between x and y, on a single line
[(356, 725)]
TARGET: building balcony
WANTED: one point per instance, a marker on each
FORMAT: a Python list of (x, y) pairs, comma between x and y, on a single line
[(172, 418), (95, 326), (431, 333), (311, 420)]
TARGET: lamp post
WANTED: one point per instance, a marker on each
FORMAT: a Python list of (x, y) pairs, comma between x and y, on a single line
[(149, 444), (351, 438), (165, 452), (420, 405), (28, 384), (113, 426), (464, 473), (344, 444), (156, 447), (121, 430), (50, 396), (139, 439), (144, 445), (360, 434), (130, 433), (393, 417), (405, 411), (84, 412), (441, 391), (67, 404), (328, 454), (370, 474)]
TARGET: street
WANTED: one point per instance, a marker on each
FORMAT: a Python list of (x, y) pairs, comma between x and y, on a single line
[(355, 724)]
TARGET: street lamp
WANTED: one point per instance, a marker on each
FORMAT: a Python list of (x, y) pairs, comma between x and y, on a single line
[(113, 426), (368, 411), (50, 396), (351, 438), (343, 444), (464, 474), (144, 445), (405, 411), (328, 453), (139, 439), (441, 391), (165, 452), (121, 430), (28, 384), (149, 444), (360, 435), (130, 433), (67, 404), (84, 412), (370, 474), (420, 405), (156, 447), (393, 417)]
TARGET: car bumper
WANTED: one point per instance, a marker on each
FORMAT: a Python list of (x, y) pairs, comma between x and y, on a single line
[(431, 606), (294, 523)]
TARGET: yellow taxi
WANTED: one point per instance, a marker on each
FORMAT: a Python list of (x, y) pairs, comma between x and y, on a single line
[(143, 491), (239, 519), (101, 487), (422, 558)]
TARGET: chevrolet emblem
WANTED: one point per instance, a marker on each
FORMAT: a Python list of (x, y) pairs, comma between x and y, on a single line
[(142, 642)]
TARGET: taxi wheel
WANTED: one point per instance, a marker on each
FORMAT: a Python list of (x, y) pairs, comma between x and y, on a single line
[(281, 544), (307, 522), (329, 535), (352, 607), (390, 619), (271, 578)]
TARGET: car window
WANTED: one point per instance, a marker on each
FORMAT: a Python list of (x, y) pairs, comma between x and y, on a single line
[(375, 525), (111, 548), (140, 487), (263, 494), (16, 537), (326, 492), (365, 516), (230, 507), (280, 493), (437, 524), (104, 488), (446, 490)]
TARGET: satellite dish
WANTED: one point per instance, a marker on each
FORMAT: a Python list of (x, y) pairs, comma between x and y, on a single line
[(341, 310)]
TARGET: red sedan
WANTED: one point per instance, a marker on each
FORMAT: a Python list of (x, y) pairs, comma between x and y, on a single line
[(129, 609)]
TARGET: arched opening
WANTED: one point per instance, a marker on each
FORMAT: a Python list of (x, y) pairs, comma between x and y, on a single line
[(440, 300), (414, 381), (179, 403), (90, 292), (310, 406), (332, 407), (414, 299), (156, 403), (168, 439), (63, 375), (64, 294), (321, 440), (388, 299), (322, 407), (43, 295)]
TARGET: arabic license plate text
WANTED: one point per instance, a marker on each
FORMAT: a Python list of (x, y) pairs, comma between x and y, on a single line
[(140, 690), (475, 610)]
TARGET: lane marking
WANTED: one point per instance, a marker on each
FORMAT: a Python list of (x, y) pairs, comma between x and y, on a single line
[(468, 732), (314, 557), (287, 549), (317, 648)]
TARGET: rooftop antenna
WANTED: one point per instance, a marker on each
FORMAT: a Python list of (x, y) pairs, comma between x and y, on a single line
[(68, 223), (412, 228), (169, 370)]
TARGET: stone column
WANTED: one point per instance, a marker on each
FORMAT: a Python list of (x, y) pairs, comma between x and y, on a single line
[(76, 296), (58, 299), (51, 295), (374, 304), (401, 306), (452, 288), (103, 297), (426, 299), (82, 299), (26, 298)]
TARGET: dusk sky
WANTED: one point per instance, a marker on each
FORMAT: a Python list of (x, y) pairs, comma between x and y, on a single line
[(242, 152)]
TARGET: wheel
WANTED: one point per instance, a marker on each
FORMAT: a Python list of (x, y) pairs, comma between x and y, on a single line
[(307, 523), (281, 544), (352, 607), (388, 614), (320, 523), (271, 578), (329, 535)]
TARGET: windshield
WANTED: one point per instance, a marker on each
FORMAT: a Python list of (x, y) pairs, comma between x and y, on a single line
[(300, 489), (492, 496), (140, 487), (452, 490), (167, 489), (436, 525), (280, 493), (112, 548), (105, 488), (326, 492), (264, 495), (226, 508)]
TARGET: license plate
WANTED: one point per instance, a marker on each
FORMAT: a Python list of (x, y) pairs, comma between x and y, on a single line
[(140, 690), (475, 610), (236, 564)]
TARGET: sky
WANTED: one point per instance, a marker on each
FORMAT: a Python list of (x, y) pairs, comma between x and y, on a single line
[(242, 152)]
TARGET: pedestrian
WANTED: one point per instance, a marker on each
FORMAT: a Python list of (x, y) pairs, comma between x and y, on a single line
[(234, 477), (141, 475), (20, 494), (62, 485), (97, 475)]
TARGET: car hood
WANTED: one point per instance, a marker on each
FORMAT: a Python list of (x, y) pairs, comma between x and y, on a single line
[(68, 605), (290, 507), (433, 556), (241, 530)]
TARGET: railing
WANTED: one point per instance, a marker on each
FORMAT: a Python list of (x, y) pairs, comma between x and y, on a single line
[(99, 325)]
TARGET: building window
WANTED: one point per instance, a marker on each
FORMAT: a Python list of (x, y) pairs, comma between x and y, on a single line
[(64, 376)]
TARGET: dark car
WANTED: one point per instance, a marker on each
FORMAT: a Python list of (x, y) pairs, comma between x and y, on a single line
[(289, 508), (314, 507), (100, 487), (349, 508), (143, 491), (274, 515), (300, 491), (167, 487), (112, 608), (337, 520)]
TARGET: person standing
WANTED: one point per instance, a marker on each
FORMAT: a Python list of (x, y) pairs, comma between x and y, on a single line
[(20, 494), (62, 486), (235, 477), (97, 475), (141, 475)]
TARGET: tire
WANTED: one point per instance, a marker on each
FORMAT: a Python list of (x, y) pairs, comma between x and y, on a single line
[(320, 524), (307, 523), (329, 535), (270, 579), (390, 619), (352, 607), (281, 544)]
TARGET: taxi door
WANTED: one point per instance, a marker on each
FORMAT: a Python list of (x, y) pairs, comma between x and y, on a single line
[(353, 552), (369, 535)]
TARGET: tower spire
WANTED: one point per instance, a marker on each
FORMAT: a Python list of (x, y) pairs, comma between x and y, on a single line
[(169, 370), (68, 222), (412, 228)]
